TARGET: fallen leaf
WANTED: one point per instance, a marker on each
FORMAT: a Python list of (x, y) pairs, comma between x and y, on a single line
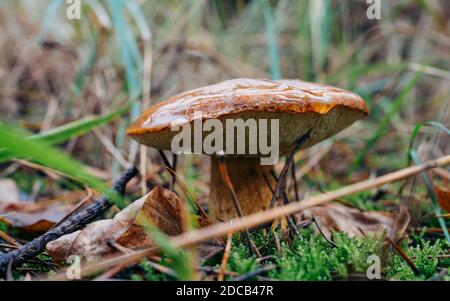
[(211, 247), (402, 218), (340, 218), (443, 197), (9, 192), (160, 207), (38, 217)]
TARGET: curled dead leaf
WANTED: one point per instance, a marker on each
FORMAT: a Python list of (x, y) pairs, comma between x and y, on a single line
[(340, 218), (38, 217), (9, 192), (160, 207), (39, 221), (443, 197)]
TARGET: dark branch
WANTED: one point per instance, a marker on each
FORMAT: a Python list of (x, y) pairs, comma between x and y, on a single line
[(71, 224), (282, 178)]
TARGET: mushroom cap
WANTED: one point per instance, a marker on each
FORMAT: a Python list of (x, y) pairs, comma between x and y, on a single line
[(299, 106)]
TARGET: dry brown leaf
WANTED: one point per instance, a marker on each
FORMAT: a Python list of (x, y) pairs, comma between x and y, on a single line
[(443, 197), (39, 221), (336, 217), (9, 192), (402, 218), (160, 207), (211, 247), (38, 217)]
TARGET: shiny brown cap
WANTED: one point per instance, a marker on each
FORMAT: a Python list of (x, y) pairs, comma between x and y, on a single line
[(243, 96)]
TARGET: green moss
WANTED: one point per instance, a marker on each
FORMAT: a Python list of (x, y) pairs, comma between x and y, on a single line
[(312, 258), (424, 255), (149, 273), (240, 261), (3, 226)]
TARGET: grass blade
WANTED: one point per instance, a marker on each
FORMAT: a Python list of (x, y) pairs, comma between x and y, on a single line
[(417, 129), (272, 44), (19, 146), (70, 130), (49, 18), (430, 190), (386, 120), (180, 260)]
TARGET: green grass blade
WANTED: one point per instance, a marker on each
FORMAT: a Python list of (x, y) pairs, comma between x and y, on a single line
[(128, 46), (417, 129), (20, 147), (429, 186), (49, 18), (386, 120), (81, 76), (319, 18), (180, 261), (70, 130)]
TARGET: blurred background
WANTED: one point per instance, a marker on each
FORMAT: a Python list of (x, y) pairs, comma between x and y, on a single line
[(122, 56)]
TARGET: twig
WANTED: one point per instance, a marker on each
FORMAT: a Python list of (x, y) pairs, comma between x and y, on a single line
[(226, 179), (220, 229), (282, 178), (278, 243), (9, 239), (73, 223), (226, 255), (323, 234), (403, 255), (256, 272), (209, 269), (289, 218), (284, 199), (294, 179), (171, 168), (301, 225), (174, 168), (82, 203)]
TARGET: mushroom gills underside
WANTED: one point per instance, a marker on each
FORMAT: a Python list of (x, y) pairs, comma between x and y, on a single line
[(291, 127)]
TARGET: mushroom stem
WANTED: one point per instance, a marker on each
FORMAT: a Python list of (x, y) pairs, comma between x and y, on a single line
[(247, 178)]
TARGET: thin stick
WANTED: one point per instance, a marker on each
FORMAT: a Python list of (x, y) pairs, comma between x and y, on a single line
[(297, 196), (226, 255), (282, 178), (165, 160), (332, 243), (175, 179), (174, 168), (170, 166), (73, 223), (289, 218), (278, 243), (220, 229), (187, 193), (404, 256), (285, 202), (226, 179), (82, 203), (256, 272)]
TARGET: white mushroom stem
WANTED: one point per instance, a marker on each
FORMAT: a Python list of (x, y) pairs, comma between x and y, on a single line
[(250, 182)]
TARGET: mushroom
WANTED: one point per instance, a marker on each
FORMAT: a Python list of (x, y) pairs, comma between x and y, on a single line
[(301, 108)]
